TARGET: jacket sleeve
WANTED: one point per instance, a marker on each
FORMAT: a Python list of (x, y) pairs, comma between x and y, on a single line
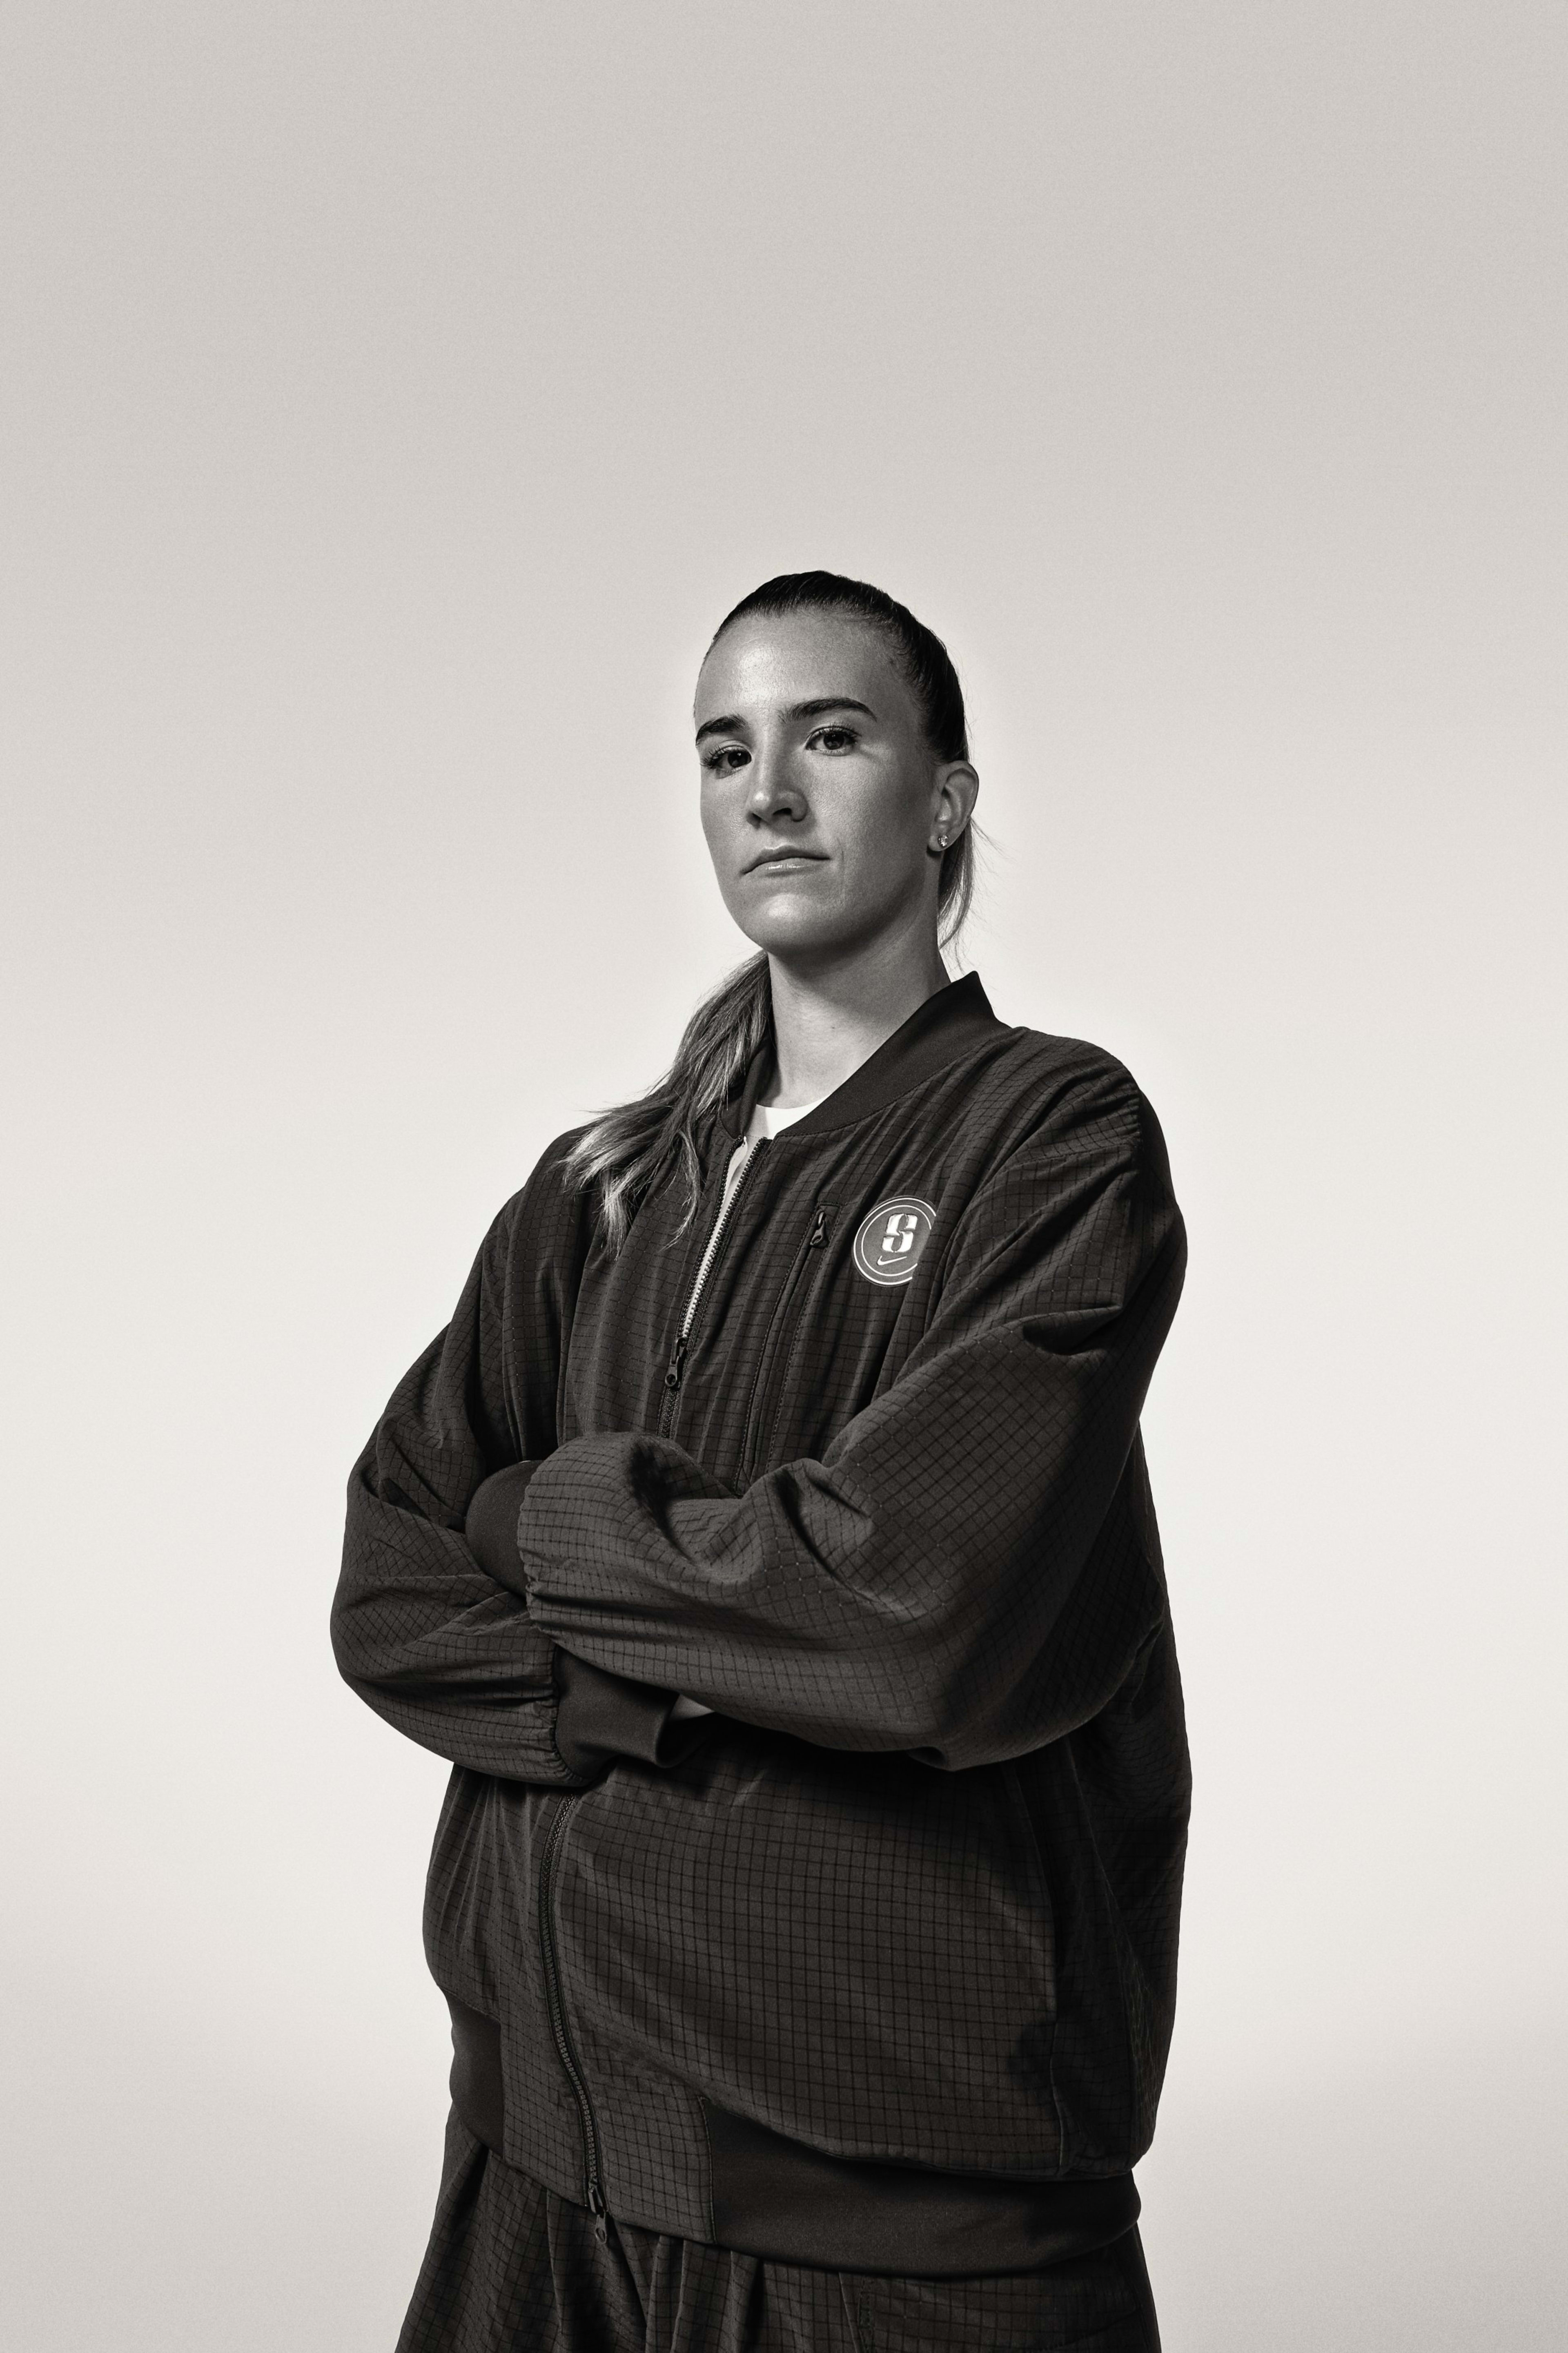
[(422, 1629), (970, 1569)]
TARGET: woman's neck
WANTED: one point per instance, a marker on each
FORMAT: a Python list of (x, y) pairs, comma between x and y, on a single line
[(828, 1020)]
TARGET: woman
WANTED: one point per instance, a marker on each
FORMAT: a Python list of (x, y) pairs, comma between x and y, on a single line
[(768, 1543)]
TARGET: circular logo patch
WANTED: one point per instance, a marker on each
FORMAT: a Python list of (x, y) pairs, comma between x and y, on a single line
[(888, 1245)]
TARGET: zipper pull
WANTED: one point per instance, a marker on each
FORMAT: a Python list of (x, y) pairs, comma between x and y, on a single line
[(818, 1234), (672, 1377), (600, 2212)]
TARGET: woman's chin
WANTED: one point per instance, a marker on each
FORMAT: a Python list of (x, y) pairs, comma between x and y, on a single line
[(791, 919), (797, 935)]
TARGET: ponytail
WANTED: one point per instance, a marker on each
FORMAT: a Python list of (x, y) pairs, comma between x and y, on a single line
[(629, 1150)]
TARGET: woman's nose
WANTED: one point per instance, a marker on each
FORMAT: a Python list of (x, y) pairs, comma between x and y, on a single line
[(775, 790)]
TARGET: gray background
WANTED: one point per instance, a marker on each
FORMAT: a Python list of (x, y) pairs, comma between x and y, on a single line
[(393, 400)]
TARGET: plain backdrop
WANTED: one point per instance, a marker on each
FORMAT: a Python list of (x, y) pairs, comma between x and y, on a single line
[(393, 400)]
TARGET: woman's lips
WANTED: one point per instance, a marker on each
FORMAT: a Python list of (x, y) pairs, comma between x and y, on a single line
[(786, 857)]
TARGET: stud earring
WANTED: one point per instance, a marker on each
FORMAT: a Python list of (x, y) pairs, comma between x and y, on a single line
[(941, 841)]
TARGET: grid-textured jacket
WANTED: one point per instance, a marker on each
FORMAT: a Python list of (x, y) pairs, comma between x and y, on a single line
[(875, 1966)]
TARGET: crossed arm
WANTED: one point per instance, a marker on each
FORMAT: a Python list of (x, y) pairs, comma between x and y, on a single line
[(969, 1571), (422, 1627)]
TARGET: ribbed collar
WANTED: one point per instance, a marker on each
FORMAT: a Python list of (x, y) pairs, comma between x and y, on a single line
[(951, 1022)]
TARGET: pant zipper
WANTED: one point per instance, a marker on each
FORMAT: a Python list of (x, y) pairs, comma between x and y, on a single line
[(593, 2177), (674, 1371)]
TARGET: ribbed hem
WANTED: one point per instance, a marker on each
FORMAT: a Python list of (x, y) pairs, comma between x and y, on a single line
[(779, 2200)]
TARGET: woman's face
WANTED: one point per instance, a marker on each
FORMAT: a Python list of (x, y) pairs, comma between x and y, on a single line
[(821, 798)]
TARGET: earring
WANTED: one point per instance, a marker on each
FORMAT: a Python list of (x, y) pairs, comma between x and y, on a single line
[(941, 841)]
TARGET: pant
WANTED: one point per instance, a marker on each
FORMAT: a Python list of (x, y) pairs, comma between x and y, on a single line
[(512, 2268)]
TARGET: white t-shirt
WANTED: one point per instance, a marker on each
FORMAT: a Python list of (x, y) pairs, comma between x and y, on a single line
[(766, 1120)]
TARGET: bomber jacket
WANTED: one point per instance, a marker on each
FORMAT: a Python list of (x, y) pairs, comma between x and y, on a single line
[(874, 1966)]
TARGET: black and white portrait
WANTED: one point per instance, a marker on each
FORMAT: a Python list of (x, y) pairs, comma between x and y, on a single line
[(784, 828)]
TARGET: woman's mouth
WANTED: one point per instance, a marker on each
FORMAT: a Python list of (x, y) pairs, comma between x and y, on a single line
[(787, 861)]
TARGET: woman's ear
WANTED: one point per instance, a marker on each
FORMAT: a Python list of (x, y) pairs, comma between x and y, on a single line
[(957, 788)]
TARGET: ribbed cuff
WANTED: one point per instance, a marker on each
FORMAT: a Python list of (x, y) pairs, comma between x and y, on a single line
[(490, 1526), (601, 1718)]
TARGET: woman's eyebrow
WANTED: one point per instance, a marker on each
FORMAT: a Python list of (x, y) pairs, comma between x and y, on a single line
[(828, 703), (728, 725)]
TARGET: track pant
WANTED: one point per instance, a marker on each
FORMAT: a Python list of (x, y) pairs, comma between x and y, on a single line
[(512, 2268)]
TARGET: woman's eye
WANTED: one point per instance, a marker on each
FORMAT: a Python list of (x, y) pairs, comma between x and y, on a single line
[(726, 758), (833, 739)]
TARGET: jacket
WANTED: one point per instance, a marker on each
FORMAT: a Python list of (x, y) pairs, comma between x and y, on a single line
[(874, 1966)]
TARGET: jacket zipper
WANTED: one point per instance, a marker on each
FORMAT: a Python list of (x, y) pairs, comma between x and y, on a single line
[(756, 1412), (555, 2003), (674, 1371)]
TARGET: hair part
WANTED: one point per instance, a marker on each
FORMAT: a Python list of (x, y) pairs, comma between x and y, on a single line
[(629, 1150)]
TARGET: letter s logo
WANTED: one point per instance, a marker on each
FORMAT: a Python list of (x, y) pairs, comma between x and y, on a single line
[(890, 1241)]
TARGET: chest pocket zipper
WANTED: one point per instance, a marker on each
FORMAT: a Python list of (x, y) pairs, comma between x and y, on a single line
[(778, 1349), (675, 1370)]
